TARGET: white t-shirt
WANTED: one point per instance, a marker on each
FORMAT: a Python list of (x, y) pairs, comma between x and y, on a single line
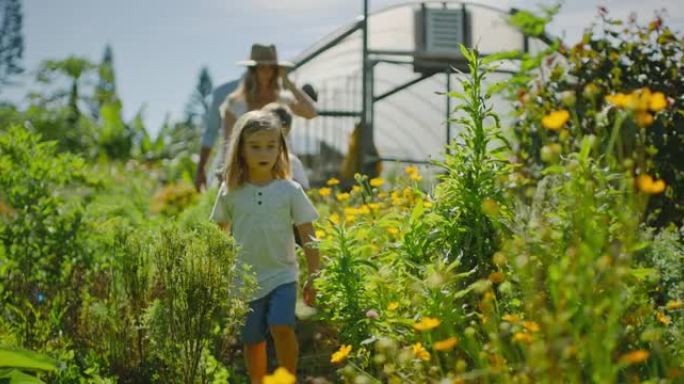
[(261, 219)]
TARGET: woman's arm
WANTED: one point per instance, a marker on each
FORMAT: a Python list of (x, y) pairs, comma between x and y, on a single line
[(302, 106), (228, 123)]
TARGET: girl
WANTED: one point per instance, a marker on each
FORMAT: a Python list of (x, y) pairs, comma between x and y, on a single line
[(258, 205)]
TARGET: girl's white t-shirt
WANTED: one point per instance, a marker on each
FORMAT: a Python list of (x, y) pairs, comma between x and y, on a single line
[(261, 219)]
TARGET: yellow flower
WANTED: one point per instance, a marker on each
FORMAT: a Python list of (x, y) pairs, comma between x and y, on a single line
[(377, 182), (673, 304), (531, 326), (342, 196), (619, 100), (510, 318), (643, 119), (420, 352), (662, 318), (356, 189), (332, 181), (363, 210), (413, 173), (490, 207), (555, 120), (280, 376), (341, 354), (374, 206), (639, 99), (649, 186), (427, 204), (392, 230), (522, 338), (392, 306), (335, 218), (324, 192), (426, 324), (446, 344), (634, 357), (658, 102), (320, 234)]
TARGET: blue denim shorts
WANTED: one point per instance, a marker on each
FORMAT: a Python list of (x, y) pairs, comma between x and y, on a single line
[(276, 308)]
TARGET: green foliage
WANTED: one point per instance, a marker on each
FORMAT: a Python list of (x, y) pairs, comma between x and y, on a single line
[(471, 195), (613, 58)]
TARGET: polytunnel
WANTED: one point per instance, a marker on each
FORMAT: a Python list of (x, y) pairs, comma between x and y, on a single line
[(413, 58)]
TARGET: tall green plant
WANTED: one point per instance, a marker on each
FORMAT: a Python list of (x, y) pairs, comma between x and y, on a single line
[(471, 197)]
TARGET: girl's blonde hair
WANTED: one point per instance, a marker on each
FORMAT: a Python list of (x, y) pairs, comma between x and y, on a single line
[(235, 171), (248, 86)]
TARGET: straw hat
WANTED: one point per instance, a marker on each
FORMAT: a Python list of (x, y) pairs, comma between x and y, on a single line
[(266, 55)]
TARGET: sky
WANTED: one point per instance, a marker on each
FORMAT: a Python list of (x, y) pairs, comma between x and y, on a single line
[(159, 46)]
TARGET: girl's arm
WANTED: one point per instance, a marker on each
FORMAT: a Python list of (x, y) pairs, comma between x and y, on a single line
[(307, 234)]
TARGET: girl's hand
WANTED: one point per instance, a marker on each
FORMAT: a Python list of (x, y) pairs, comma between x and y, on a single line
[(309, 292)]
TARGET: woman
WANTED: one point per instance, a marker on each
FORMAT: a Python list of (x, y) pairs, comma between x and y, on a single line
[(260, 85)]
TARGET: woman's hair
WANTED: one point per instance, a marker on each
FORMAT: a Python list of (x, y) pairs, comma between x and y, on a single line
[(247, 88), (235, 170), (283, 113)]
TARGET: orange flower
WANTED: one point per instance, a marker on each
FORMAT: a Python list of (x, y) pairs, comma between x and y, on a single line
[(647, 185), (634, 357), (426, 324), (446, 344), (341, 354), (497, 277), (555, 120)]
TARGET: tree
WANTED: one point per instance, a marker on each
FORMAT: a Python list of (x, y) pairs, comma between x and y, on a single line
[(11, 39), (199, 103), (75, 68), (105, 91)]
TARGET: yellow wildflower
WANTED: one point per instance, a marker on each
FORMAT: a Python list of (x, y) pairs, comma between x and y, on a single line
[(427, 204), (280, 376), (374, 206), (647, 185), (356, 189), (392, 306), (511, 318), (634, 357), (658, 102), (663, 318), (377, 182), (363, 210), (342, 196), (324, 192), (619, 100), (332, 181), (382, 195), (392, 230), (411, 170), (420, 352), (446, 344), (320, 234), (335, 218), (556, 119), (640, 99), (341, 354), (426, 324), (643, 119), (531, 326), (524, 338), (673, 304)]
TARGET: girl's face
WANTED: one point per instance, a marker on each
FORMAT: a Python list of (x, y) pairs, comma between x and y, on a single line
[(260, 151), (265, 73)]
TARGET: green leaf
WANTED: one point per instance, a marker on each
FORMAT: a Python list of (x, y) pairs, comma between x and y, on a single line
[(23, 359), (13, 376), (644, 273)]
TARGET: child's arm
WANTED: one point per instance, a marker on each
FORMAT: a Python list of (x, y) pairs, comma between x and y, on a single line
[(306, 233)]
